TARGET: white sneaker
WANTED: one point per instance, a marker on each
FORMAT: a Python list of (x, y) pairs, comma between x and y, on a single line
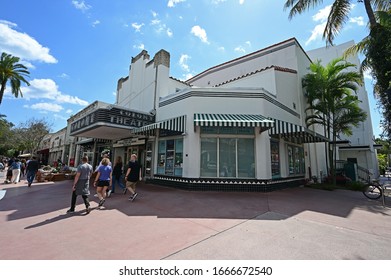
[(109, 193)]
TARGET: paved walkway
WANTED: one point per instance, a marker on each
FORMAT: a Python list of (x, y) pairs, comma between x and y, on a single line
[(165, 223)]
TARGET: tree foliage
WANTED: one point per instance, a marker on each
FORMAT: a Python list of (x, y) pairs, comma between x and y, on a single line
[(26, 136), (12, 72), (332, 102)]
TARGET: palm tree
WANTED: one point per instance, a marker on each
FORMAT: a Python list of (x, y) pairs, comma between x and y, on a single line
[(332, 102), (13, 72), (376, 46), (339, 13)]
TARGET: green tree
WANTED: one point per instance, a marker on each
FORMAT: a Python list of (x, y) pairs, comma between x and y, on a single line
[(376, 46), (339, 13), (377, 50), (29, 135), (331, 101), (12, 72), (5, 135)]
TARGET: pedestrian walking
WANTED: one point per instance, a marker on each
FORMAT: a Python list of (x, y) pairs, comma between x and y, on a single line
[(81, 185), (31, 170), (117, 175), (104, 154), (23, 167), (133, 175), (16, 166), (103, 180)]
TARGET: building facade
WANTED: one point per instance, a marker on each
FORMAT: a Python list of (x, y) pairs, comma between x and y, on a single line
[(239, 125)]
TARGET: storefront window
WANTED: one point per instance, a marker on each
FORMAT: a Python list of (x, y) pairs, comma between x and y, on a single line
[(208, 157), (246, 158), (227, 157), (275, 158), (296, 160), (170, 157)]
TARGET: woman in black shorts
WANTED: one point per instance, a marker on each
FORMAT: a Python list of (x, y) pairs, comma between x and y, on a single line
[(103, 180)]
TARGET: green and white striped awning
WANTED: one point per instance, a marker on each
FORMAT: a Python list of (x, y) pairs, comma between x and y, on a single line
[(295, 133), (235, 120), (177, 124)]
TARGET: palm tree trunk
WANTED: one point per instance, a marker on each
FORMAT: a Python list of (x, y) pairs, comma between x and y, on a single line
[(370, 13), (2, 89)]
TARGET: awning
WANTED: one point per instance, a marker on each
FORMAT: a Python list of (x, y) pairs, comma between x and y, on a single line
[(295, 133), (24, 155), (236, 120), (177, 124)]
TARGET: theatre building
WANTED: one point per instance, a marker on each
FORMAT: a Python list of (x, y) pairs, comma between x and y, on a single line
[(239, 125)]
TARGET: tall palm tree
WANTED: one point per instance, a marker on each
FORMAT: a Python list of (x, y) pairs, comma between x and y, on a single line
[(332, 102), (339, 13), (13, 72)]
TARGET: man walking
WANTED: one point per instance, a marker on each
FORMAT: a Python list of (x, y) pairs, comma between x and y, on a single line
[(32, 169), (81, 185), (133, 175)]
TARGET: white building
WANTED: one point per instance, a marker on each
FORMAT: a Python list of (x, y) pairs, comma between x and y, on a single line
[(238, 125)]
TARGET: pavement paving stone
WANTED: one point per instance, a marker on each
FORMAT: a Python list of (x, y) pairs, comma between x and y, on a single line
[(166, 223)]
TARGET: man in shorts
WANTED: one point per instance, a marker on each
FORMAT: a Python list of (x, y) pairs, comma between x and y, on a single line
[(133, 175)]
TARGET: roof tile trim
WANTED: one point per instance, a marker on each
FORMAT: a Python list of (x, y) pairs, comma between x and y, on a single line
[(276, 68)]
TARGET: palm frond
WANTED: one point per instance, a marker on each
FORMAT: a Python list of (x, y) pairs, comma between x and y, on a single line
[(337, 18)]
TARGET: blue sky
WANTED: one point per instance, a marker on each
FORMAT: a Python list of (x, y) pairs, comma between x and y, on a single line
[(77, 50)]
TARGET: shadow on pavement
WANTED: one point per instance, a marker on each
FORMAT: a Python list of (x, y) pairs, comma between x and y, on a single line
[(163, 202)]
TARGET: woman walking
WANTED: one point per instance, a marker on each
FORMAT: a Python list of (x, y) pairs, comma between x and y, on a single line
[(16, 171), (117, 175), (103, 180)]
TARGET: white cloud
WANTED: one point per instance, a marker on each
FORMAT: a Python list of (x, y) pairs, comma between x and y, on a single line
[(358, 20), (64, 76), (188, 76), (317, 33), (321, 16), (183, 62), (44, 106), (69, 111), (48, 89), (200, 33), (241, 2), (95, 23), (172, 3), (240, 49), (139, 47), (169, 32), (137, 26), (221, 49), (368, 75), (81, 5), (155, 21), (61, 117), (22, 45), (216, 2)]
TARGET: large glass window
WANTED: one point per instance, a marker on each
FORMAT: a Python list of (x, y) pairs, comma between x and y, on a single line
[(246, 158), (170, 157), (296, 160), (208, 157), (227, 157)]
